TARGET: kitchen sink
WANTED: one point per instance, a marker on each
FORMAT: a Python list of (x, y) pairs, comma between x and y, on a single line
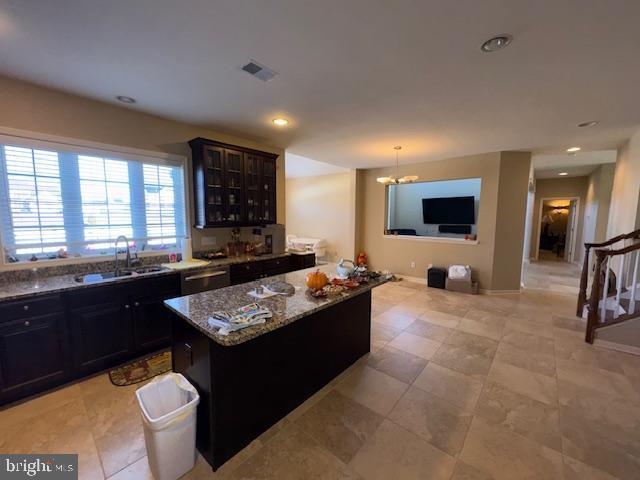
[(98, 277)]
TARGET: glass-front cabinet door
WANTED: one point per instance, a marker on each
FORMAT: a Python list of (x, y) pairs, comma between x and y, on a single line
[(268, 190), (234, 188), (214, 179), (252, 186), (232, 185)]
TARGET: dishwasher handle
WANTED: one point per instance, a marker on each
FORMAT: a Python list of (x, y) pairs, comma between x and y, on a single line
[(205, 275)]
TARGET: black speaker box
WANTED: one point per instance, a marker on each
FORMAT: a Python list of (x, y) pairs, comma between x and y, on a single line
[(436, 277)]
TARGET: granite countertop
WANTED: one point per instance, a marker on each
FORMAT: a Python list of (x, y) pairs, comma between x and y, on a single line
[(60, 283), (197, 308)]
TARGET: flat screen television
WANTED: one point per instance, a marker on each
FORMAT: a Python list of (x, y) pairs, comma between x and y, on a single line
[(449, 210)]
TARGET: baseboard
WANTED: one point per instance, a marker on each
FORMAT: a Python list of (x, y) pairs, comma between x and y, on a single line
[(616, 346), (413, 279), (499, 292)]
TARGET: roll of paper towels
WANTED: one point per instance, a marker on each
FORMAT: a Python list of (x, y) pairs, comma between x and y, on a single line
[(187, 252)]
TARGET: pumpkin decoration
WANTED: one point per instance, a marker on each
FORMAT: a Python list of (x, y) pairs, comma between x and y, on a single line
[(362, 259), (316, 280)]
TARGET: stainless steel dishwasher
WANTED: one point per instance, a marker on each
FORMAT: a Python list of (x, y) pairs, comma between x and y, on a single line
[(203, 280)]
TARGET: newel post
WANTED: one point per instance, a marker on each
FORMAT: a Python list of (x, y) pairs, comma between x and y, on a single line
[(584, 279), (592, 315)]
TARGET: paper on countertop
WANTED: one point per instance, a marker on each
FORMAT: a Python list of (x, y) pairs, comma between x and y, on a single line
[(265, 294), (232, 320)]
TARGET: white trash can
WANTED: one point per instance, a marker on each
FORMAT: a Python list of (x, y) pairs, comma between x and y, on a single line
[(168, 406)]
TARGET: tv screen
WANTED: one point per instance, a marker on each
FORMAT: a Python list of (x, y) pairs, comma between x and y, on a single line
[(449, 210)]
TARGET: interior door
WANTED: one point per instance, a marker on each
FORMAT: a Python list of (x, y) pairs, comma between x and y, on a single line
[(569, 254)]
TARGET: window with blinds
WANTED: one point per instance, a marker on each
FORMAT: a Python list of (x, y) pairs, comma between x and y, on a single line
[(54, 201)]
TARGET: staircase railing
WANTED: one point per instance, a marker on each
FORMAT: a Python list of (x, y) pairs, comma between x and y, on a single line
[(615, 290)]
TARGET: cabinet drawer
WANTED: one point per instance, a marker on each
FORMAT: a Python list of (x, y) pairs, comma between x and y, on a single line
[(248, 268), (30, 307), (276, 266)]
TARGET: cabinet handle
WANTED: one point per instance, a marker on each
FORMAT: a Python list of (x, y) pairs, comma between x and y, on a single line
[(127, 306), (25, 308), (136, 304), (27, 323)]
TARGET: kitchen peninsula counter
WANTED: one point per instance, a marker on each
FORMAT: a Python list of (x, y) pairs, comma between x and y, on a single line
[(250, 379)]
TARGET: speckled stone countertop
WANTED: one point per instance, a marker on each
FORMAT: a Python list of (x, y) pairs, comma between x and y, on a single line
[(197, 308), (43, 283)]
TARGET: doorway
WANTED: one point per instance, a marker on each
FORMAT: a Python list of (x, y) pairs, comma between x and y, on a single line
[(558, 229)]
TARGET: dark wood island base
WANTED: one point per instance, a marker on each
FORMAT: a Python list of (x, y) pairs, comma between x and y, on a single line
[(246, 388)]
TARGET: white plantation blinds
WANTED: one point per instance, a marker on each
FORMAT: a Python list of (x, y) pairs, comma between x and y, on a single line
[(52, 200), (34, 198)]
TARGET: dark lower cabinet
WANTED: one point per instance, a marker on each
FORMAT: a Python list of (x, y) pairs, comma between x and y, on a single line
[(33, 354), (300, 262), (48, 340), (101, 336), (248, 272)]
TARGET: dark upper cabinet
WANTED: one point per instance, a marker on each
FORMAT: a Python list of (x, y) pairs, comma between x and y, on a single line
[(268, 190), (233, 186), (33, 354)]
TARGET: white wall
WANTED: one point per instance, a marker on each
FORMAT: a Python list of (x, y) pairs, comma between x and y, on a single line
[(405, 202), (324, 207), (625, 196), (597, 203)]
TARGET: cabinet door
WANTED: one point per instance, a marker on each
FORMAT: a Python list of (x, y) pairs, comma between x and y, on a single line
[(252, 182), (32, 355), (234, 185), (101, 336), (215, 208), (268, 190), (152, 324)]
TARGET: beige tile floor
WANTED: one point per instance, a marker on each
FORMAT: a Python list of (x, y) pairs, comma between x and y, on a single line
[(551, 274), (456, 387)]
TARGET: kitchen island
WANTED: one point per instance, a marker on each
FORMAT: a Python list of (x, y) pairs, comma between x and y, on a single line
[(250, 379)]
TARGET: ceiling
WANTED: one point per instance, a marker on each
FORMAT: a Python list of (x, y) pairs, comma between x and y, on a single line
[(355, 78), (575, 165)]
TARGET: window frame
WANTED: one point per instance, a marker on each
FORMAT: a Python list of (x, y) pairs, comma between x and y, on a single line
[(62, 145)]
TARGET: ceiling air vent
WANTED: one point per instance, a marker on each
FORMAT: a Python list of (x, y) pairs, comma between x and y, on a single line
[(259, 71)]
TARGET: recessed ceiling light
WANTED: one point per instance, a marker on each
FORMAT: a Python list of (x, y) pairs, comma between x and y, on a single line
[(280, 122), (563, 174), (592, 123), (496, 43), (125, 99), (573, 149)]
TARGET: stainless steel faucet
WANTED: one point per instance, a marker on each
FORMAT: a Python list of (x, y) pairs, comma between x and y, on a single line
[(126, 242)]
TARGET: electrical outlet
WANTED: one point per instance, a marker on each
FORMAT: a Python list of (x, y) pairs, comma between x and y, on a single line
[(413, 264)]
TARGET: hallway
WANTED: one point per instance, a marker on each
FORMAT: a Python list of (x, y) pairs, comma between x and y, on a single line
[(551, 275)]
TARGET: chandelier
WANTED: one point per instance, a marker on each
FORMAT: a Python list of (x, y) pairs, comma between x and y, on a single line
[(397, 179)]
